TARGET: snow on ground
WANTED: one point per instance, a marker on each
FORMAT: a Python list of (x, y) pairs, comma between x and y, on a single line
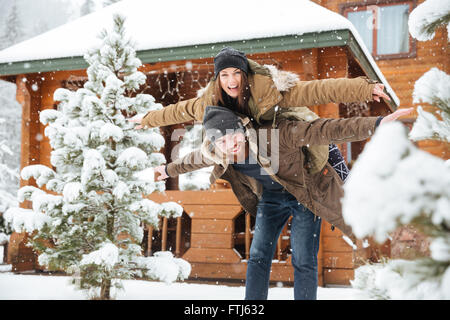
[(44, 287)]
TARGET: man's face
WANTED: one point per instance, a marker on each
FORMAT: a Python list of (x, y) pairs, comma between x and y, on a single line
[(232, 145)]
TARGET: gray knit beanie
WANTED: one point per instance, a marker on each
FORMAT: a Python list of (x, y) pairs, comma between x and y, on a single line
[(229, 57), (219, 121)]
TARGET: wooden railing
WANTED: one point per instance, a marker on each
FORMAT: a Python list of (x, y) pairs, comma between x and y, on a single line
[(283, 242), (165, 229), (5, 253)]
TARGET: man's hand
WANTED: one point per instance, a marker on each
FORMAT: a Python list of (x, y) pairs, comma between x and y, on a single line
[(137, 119), (161, 170), (394, 116), (379, 93)]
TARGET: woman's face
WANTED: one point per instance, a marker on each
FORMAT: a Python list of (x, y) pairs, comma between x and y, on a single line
[(230, 81)]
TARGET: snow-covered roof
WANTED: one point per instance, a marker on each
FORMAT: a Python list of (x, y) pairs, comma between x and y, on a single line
[(180, 23), (174, 23)]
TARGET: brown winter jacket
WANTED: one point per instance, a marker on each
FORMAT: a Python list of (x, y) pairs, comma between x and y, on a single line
[(320, 192), (269, 87)]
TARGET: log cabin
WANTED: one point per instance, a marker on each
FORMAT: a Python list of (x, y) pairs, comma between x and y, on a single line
[(315, 40)]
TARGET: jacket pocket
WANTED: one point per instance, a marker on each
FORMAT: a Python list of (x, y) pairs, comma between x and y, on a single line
[(291, 168), (323, 182)]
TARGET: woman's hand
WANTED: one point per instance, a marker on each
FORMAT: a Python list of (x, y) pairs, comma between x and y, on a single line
[(379, 93), (161, 170), (137, 119), (394, 116)]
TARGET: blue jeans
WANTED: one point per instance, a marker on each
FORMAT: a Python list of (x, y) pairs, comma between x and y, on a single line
[(274, 209)]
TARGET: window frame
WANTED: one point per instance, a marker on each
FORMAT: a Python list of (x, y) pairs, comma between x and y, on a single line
[(345, 8)]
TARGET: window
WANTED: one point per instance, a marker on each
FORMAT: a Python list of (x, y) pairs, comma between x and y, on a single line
[(383, 26)]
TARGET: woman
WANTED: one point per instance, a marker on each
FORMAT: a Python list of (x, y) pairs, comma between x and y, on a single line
[(248, 88), (244, 86)]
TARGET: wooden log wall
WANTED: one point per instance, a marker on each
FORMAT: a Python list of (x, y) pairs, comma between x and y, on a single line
[(402, 73)]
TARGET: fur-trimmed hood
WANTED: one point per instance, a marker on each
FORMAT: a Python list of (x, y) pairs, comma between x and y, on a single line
[(283, 80)]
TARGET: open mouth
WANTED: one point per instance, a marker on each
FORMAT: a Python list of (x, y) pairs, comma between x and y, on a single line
[(235, 149)]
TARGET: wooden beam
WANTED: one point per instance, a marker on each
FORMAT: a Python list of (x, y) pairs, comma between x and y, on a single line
[(149, 240), (178, 238), (30, 101), (310, 64), (20, 255), (200, 197), (248, 235), (164, 235)]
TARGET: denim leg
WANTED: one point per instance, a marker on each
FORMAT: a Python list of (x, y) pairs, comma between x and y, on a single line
[(271, 217), (305, 236)]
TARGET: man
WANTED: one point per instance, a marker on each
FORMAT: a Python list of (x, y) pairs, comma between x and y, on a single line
[(267, 174)]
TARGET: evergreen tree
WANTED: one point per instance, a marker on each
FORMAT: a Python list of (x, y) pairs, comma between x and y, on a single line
[(8, 176), (13, 29), (432, 88), (393, 184), (109, 2), (89, 223), (87, 7), (10, 111)]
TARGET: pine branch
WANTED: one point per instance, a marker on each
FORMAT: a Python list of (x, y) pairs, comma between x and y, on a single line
[(430, 29)]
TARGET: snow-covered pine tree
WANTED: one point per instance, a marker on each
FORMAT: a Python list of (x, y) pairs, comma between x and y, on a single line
[(13, 28), (87, 7), (434, 86), (9, 178), (10, 111), (109, 2), (89, 223), (8, 182), (393, 184)]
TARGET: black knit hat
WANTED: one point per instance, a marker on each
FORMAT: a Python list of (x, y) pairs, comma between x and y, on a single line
[(229, 57), (218, 121)]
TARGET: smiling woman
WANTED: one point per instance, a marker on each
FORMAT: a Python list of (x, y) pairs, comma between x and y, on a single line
[(230, 80), (232, 90)]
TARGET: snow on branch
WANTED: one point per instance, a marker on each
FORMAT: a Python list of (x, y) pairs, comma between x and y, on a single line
[(403, 280), (164, 267), (428, 16), (25, 219), (133, 158), (432, 88), (49, 116), (393, 183), (110, 131), (42, 174), (427, 126), (106, 257)]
